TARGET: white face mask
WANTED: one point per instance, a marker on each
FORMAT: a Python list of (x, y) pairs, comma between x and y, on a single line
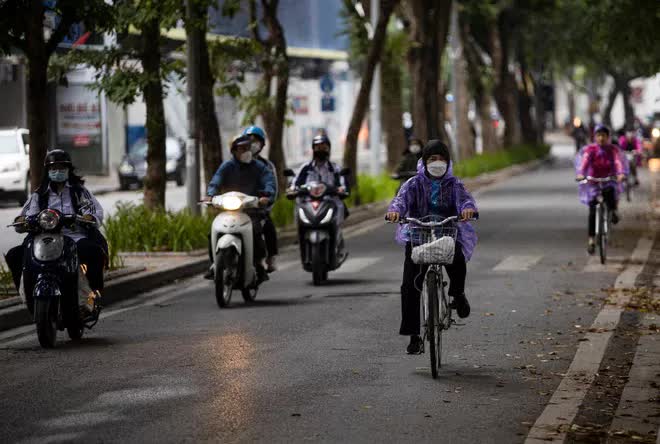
[(246, 157), (255, 148), (437, 168), (415, 149)]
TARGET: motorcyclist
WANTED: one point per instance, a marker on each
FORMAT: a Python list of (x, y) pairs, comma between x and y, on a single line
[(600, 159), (407, 167), (61, 189), (579, 133), (258, 141), (321, 169), (629, 143), (244, 174)]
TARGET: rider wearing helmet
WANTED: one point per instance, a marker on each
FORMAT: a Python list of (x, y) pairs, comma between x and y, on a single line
[(246, 175), (60, 188), (258, 141), (600, 159), (407, 167), (321, 169)]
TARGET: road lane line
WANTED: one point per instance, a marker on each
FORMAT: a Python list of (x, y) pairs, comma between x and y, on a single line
[(357, 264), (562, 408), (518, 263)]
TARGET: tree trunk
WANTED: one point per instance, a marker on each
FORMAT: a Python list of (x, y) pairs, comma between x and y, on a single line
[(37, 92), (464, 137), (280, 63), (488, 133), (209, 128), (155, 180), (611, 98), (627, 105), (527, 125), (392, 110), (505, 91), (362, 100), (539, 109), (429, 25)]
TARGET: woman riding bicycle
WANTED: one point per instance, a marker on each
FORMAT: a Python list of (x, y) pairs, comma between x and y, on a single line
[(433, 191), (600, 160)]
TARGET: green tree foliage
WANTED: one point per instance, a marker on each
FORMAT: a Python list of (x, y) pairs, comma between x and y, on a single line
[(23, 30), (137, 66)]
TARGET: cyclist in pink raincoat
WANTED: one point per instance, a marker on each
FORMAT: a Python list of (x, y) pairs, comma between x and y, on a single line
[(600, 159), (433, 191)]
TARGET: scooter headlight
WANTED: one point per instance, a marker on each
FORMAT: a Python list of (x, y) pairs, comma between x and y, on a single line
[(303, 217), (231, 203), (317, 189), (48, 219), (328, 216)]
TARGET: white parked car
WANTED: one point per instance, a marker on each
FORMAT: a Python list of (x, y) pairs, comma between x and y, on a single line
[(15, 164)]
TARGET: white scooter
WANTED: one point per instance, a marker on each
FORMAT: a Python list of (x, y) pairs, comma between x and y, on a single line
[(231, 236)]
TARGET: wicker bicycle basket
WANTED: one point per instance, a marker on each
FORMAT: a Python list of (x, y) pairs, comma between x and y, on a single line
[(433, 245)]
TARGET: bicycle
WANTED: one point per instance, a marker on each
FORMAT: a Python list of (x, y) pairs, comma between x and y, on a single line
[(631, 177), (434, 245), (603, 214)]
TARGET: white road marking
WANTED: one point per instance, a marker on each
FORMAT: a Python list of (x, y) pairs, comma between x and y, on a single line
[(560, 412), (517, 263), (614, 264), (357, 264)]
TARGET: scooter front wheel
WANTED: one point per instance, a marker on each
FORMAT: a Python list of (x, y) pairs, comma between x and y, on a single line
[(45, 318), (318, 267)]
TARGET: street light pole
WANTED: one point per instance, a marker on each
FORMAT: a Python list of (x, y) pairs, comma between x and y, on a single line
[(374, 117), (192, 144)]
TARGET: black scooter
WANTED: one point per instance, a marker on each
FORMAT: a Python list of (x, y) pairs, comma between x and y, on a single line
[(54, 284), (320, 237)]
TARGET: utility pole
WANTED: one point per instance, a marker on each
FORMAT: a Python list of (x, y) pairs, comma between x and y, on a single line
[(374, 117), (192, 144)]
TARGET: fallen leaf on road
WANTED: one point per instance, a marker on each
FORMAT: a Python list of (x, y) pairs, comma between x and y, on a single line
[(489, 314)]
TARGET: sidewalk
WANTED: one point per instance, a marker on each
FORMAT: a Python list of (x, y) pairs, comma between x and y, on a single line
[(611, 391), (99, 185)]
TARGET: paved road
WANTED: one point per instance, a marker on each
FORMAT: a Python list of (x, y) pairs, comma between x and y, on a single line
[(326, 364), (175, 200)]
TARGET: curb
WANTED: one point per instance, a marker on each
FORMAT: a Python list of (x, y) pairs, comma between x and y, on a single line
[(128, 286)]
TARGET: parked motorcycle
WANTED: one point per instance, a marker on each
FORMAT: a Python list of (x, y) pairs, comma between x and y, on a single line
[(321, 241), (54, 284), (232, 241)]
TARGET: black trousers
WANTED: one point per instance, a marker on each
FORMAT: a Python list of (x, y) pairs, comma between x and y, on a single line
[(89, 254), (270, 236), (610, 200), (413, 279)]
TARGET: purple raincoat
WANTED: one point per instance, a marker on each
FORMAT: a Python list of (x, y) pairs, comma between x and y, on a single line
[(413, 201), (599, 161)]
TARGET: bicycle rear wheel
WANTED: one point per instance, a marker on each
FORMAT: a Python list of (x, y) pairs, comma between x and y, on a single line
[(602, 234), (434, 329)]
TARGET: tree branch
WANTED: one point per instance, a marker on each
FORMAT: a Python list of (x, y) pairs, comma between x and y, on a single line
[(254, 24)]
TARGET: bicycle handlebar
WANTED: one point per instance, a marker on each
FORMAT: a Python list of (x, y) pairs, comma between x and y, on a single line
[(596, 179)]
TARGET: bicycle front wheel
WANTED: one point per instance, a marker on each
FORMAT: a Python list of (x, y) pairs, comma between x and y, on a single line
[(434, 330)]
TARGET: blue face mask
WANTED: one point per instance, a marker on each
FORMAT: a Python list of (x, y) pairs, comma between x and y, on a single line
[(58, 175)]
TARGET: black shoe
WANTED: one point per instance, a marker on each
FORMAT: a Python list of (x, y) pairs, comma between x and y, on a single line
[(210, 273), (416, 345), (461, 305), (262, 275), (591, 247), (615, 217)]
